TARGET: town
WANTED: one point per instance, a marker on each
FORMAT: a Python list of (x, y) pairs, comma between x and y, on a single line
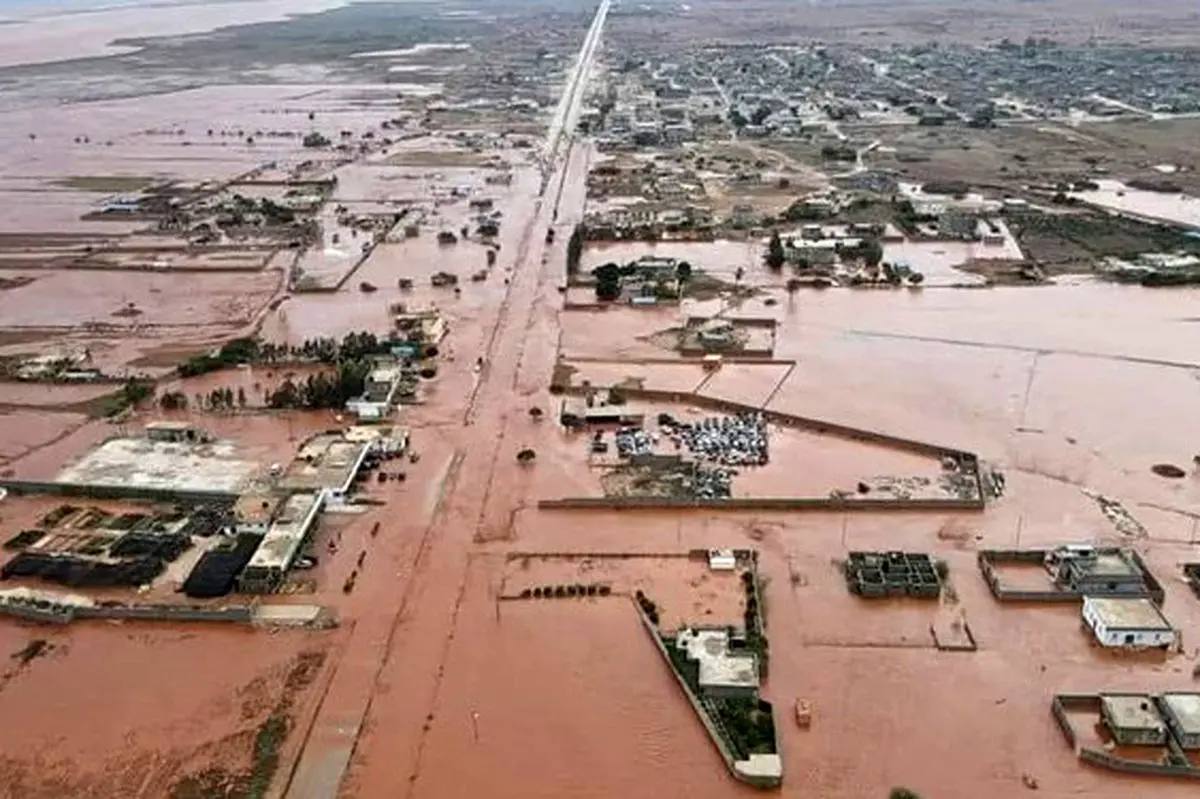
[(672, 397)]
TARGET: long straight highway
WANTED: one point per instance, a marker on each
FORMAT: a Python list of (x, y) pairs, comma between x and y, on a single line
[(366, 736)]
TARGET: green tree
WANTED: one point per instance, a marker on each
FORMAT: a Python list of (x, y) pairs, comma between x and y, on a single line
[(683, 271), (871, 252), (608, 281), (775, 257), (574, 250)]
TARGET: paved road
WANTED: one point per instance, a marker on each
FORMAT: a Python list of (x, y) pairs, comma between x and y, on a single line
[(406, 642)]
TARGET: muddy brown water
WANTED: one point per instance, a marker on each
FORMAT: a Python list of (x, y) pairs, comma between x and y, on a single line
[(1068, 388)]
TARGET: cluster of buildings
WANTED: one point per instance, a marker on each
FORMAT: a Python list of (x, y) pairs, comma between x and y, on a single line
[(274, 508), (806, 90)]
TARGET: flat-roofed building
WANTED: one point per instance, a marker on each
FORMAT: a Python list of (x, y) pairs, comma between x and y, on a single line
[(284, 540), (254, 510), (326, 462), (724, 673), (1127, 622), (164, 464), (1133, 719), (1182, 712)]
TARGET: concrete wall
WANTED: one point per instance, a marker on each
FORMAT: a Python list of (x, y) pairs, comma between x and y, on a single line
[(1178, 767), (48, 488), (698, 707), (63, 614), (988, 557), (760, 503)]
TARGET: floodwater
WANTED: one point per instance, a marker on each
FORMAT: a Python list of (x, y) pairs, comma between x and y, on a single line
[(1182, 209), (1069, 389), (82, 31)]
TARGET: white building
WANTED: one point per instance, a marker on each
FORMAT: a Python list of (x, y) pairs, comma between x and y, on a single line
[(723, 672), (1126, 622), (282, 543)]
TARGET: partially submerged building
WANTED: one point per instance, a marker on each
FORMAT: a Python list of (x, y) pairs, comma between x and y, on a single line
[(1127, 622), (327, 462), (1182, 712), (725, 673), (1133, 719), (1094, 571), (283, 542), (170, 461), (379, 393)]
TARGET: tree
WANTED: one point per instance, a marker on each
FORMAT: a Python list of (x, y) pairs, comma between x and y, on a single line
[(903, 793), (574, 250), (739, 274), (793, 285), (775, 257), (608, 281), (241, 397), (683, 271), (871, 252)]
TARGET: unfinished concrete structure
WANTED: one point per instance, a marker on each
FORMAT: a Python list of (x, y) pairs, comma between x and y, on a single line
[(1133, 719), (1072, 572), (1167, 723)]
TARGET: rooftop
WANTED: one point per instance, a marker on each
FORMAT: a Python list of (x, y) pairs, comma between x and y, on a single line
[(1132, 711), (326, 460), (286, 534), (719, 668), (1118, 613), (1107, 564), (1186, 710), (139, 463)]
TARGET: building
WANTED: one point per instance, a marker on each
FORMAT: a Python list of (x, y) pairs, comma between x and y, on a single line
[(724, 673), (379, 392), (326, 462), (254, 511), (953, 223), (283, 542), (1182, 712), (577, 412), (803, 253), (1127, 622), (1133, 719), (177, 432), (170, 462), (1096, 572)]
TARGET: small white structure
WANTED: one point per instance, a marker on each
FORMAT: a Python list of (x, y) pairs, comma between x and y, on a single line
[(1125, 622), (723, 673), (721, 560)]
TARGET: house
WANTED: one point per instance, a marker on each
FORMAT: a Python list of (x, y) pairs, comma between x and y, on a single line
[(725, 673), (379, 392), (1127, 622), (1182, 712), (1133, 719), (1096, 572)]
